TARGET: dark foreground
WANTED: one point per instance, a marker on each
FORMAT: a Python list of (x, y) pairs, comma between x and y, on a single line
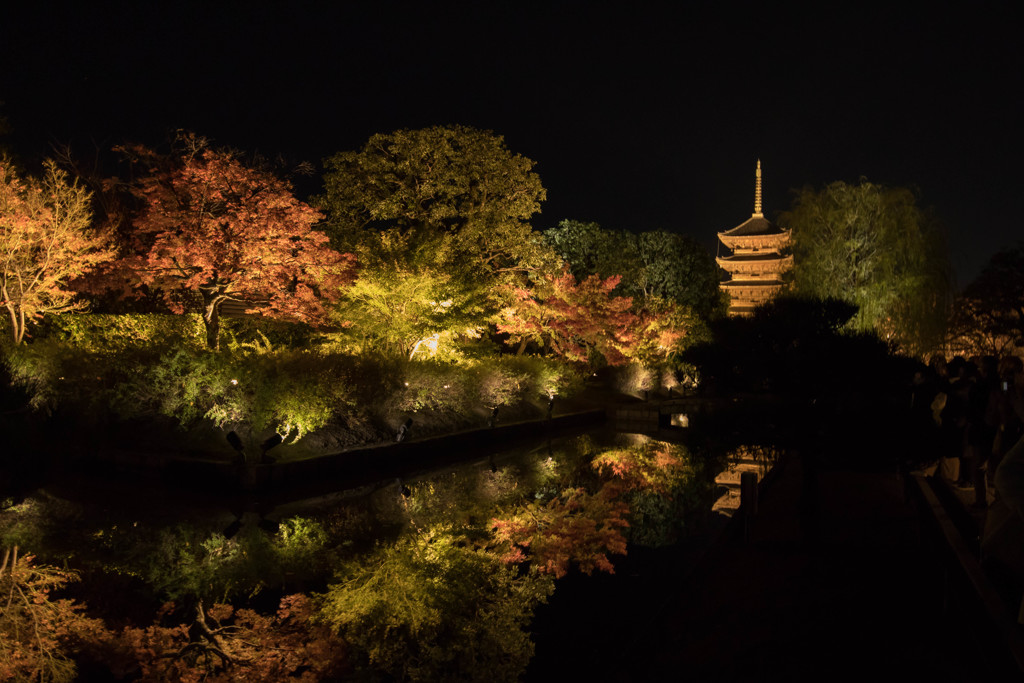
[(866, 600)]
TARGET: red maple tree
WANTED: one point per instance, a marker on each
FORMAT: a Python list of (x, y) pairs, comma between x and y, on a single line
[(572, 318), (213, 230), (223, 644), (575, 528)]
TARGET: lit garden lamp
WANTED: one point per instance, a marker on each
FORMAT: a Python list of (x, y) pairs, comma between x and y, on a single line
[(551, 404)]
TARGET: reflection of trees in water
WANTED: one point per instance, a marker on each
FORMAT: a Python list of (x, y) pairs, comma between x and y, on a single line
[(420, 576)]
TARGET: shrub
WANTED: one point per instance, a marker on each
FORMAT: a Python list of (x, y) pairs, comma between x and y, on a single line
[(429, 608)]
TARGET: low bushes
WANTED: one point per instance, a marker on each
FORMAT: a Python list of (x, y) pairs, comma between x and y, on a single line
[(139, 366)]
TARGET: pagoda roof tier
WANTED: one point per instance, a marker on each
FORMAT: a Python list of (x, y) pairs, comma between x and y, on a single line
[(757, 224), (755, 284), (755, 263), (774, 240)]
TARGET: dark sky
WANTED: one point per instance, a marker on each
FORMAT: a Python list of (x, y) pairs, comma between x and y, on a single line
[(640, 116)]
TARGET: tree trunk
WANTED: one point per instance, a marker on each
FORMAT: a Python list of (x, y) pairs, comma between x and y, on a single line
[(17, 317), (211, 318), (522, 347)]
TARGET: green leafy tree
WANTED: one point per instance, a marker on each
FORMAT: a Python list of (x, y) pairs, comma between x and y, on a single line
[(874, 247), (411, 300), (589, 249), (432, 607), (676, 268), (455, 181), (654, 264), (46, 241)]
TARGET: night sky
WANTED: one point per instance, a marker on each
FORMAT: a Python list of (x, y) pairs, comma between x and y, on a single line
[(639, 116)]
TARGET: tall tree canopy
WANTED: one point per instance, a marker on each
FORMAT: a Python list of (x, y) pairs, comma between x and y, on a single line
[(991, 309), (874, 247), (214, 230), (456, 182), (654, 264), (46, 240)]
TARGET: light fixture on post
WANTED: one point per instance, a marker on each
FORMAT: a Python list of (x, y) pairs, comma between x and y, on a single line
[(273, 441)]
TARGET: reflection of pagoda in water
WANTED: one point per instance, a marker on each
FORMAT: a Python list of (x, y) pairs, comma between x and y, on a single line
[(756, 265)]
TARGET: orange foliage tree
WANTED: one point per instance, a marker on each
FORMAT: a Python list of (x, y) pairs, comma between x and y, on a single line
[(225, 644), (46, 240), (575, 528), (572, 318), (214, 230), (39, 635)]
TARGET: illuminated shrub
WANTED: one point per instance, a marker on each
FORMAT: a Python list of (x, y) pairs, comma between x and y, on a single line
[(293, 392), (117, 333), (188, 562), (429, 607), (634, 379)]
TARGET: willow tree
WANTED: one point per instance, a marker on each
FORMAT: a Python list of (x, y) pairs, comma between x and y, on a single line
[(874, 247), (46, 241)]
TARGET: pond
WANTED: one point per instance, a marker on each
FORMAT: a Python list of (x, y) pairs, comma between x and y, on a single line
[(440, 571)]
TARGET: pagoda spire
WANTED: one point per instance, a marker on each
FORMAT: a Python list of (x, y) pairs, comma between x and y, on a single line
[(757, 192)]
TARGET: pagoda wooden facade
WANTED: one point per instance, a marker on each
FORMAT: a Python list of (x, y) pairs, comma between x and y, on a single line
[(757, 259)]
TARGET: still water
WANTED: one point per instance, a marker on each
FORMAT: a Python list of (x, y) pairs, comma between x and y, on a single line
[(409, 569)]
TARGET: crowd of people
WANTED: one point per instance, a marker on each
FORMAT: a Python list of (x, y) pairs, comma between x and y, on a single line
[(974, 409)]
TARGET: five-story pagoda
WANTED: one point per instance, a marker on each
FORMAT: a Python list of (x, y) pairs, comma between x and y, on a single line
[(756, 264)]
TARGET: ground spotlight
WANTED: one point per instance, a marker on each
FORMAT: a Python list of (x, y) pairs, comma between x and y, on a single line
[(236, 443), (273, 441), (232, 528)]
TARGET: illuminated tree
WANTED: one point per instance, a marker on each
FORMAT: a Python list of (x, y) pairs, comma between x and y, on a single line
[(432, 607), (572, 319), (652, 265), (46, 240), (223, 644), (454, 181), (407, 300), (874, 247), (214, 230), (38, 634), (573, 529)]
